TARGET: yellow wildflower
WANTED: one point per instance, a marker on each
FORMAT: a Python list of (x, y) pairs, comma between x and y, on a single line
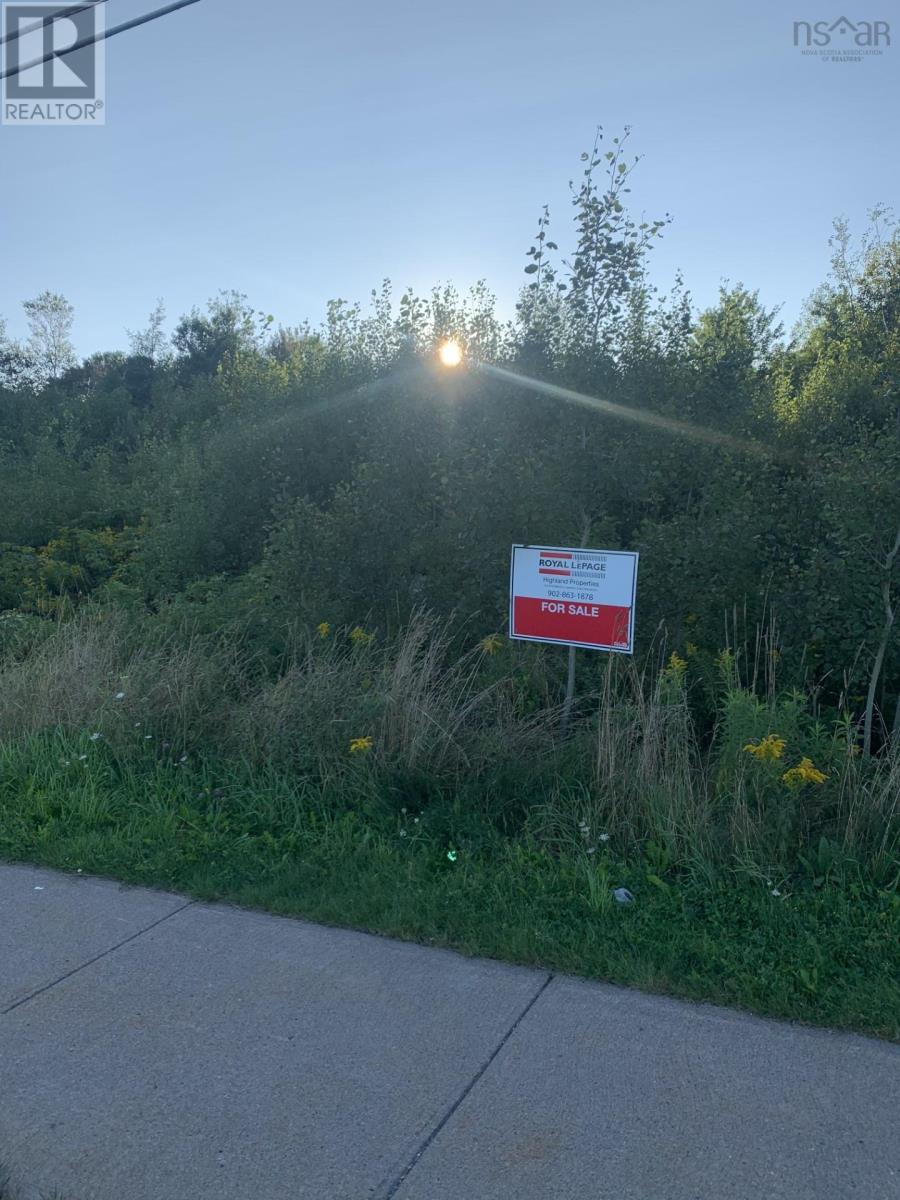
[(359, 637), (769, 749), (360, 745), (323, 629), (491, 644), (805, 772), (691, 649), (676, 665)]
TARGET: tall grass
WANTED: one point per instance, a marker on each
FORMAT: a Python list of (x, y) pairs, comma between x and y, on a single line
[(432, 725)]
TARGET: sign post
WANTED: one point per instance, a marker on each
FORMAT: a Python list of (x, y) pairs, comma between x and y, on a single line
[(573, 596)]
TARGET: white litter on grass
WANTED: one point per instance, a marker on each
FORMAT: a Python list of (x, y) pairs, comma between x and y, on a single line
[(120, 695), (38, 888), (622, 896)]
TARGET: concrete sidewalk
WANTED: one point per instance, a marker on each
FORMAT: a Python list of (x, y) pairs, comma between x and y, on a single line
[(157, 1049)]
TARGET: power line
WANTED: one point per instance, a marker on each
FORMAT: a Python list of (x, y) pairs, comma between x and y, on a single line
[(98, 37), (68, 11)]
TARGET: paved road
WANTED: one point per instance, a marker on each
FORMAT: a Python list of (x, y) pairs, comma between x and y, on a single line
[(157, 1049)]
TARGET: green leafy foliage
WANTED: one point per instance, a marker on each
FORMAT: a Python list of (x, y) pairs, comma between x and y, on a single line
[(278, 543), (356, 481)]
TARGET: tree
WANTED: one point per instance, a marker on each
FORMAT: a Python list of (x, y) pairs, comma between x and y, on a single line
[(50, 318), (15, 364), (150, 342), (610, 250), (229, 327), (732, 348), (581, 322)]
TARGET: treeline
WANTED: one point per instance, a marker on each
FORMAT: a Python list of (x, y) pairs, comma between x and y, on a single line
[(236, 472)]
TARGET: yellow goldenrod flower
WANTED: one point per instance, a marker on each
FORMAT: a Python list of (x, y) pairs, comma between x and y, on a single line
[(359, 637), (769, 749), (323, 629), (805, 772), (491, 644), (691, 649), (676, 665), (360, 745)]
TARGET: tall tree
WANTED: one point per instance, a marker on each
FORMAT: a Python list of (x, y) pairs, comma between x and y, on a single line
[(50, 317), (150, 342)]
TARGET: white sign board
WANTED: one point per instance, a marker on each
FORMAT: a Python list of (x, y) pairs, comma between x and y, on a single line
[(573, 596)]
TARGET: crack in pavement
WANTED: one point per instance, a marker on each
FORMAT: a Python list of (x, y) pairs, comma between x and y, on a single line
[(389, 1188), (109, 950)]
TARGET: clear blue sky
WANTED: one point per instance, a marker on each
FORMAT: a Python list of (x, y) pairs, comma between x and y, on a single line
[(298, 151)]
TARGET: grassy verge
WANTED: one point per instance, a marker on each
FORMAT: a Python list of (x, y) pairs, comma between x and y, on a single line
[(819, 945)]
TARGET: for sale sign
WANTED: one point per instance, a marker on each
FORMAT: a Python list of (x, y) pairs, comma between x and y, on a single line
[(575, 596)]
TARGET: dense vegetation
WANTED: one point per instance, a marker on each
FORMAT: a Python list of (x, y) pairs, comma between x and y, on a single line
[(254, 586)]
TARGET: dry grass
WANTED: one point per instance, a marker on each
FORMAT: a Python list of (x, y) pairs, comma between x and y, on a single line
[(869, 810), (420, 707), (179, 683), (633, 767)]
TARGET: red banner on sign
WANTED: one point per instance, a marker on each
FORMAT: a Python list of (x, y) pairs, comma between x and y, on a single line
[(565, 621)]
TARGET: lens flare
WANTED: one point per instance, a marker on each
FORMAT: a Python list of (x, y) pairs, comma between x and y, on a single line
[(641, 416), (450, 353)]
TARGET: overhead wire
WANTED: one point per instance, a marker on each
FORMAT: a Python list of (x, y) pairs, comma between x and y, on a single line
[(71, 10), (98, 37)]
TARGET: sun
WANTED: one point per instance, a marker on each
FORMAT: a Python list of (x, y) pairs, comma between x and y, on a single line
[(450, 353)]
